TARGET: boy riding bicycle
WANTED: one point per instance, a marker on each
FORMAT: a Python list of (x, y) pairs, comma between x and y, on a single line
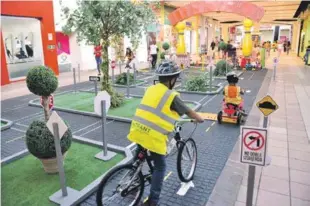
[(154, 120)]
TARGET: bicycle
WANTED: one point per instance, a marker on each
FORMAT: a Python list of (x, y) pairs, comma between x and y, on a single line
[(129, 180)]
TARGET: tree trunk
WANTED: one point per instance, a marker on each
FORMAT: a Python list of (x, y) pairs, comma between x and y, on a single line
[(106, 84), (45, 102)]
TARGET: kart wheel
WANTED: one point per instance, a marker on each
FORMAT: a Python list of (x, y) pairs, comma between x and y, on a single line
[(219, 117), (239, 119)]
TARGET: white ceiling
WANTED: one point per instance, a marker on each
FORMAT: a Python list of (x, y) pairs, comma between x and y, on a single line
[(273, 10)]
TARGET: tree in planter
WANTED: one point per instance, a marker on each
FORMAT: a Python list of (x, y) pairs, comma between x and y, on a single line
[(165, 47), (107, 20), (42, 81)]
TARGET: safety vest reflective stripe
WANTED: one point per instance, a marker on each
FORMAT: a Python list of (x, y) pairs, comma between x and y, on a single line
[(151, 125), (157, 112)]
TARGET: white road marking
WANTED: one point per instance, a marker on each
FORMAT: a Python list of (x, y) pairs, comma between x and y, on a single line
[(16, 107), (81, 135), (185, 187), (22, 125), (209, 100), (29, 116), (86, 127), (13, 128), (17, 138)]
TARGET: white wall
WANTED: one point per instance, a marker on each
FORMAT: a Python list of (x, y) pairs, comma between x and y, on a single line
[(267, 35)]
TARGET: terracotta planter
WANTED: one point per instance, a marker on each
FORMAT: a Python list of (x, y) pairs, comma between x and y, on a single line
[(50, 165)]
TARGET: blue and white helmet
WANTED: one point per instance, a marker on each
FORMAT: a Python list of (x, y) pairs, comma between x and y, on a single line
[(167, 68)]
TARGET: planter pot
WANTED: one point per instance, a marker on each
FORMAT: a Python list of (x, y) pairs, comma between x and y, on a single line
[(50, 165)]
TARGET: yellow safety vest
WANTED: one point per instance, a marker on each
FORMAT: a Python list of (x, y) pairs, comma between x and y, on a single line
[(234, 100), (154, 120)]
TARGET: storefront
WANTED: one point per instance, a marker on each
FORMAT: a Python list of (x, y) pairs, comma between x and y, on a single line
[(305, 35), (27, 38)]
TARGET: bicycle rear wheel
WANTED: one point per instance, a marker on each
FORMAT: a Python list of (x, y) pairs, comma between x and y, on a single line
[(187, 160), (123, 185)]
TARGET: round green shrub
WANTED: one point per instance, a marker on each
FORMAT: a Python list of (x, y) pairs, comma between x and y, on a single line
[(41, 81), (40, 141), (220, 69), (162, 55), (223, 46), (196, 84), (122, 79), (166, 46)]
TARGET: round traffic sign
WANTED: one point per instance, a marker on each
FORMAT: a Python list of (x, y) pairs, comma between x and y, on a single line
[(253, 140), (113, 64), (50, 102)]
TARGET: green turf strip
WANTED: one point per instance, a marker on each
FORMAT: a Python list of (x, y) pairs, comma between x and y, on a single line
[(84, 101), (25, 183), (3, 123)]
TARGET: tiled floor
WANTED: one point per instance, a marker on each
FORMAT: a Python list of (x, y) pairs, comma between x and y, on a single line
[(286, 182)]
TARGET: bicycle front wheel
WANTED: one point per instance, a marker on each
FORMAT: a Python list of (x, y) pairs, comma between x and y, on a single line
[(123, 185), (187, 160)]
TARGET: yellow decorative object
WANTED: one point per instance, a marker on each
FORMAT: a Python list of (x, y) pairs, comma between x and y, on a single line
[(247, 39), (180, 27)]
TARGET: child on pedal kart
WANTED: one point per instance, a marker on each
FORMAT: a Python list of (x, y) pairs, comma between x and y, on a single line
[(232, 92)]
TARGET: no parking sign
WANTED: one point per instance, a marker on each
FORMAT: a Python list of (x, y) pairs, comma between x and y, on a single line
[(253, 145)]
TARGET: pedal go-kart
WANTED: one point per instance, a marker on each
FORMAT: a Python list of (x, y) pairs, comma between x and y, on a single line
[(231, 113)]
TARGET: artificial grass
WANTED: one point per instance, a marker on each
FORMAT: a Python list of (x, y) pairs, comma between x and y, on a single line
[(3, 123), (24, 181), (207, 89), (131, 83), (84, 101)]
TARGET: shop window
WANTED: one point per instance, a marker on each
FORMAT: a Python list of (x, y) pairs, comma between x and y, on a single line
[(23, 45)]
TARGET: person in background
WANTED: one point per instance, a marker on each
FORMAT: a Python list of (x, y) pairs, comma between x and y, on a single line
[(212, 45), (285, 46), (280, 48), (97, 53), (129, 56), (153, 53), (288, 47)]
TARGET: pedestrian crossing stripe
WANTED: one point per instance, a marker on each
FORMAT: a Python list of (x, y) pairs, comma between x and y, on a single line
[(208, 116)]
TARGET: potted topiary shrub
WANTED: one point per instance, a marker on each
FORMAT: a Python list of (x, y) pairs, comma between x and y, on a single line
[(222, 67), (42, 81), (166, 47)]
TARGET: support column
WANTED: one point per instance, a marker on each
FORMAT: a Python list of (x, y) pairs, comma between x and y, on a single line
[(225, 34), (180, 27), (295, 36), (247, 39)]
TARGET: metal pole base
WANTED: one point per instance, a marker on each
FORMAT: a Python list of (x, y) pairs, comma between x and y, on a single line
[(67, 200), (109, 155)]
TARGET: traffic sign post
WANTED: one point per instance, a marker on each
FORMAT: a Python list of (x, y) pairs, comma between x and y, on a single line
[(79, 72), (101, 106), (95, 79), (127, 90), (210, 67), (120, 67), (58, 128), (254, 144), (134, 73)]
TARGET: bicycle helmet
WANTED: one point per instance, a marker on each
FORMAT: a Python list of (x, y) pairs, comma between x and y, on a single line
[(232, 77), (167, 71)]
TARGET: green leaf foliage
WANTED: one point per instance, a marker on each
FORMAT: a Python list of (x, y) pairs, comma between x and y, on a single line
[(107, 22), (223, 46), (122, 79), (166, 46), (196, 84), (40, 141), (41, 81), (162, 55), (220, 69)]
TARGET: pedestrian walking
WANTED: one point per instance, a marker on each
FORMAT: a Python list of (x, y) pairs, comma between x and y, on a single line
[(154, 53)]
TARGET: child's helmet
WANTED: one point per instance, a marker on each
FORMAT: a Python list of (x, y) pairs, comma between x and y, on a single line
[(232, 77), (168, 69)]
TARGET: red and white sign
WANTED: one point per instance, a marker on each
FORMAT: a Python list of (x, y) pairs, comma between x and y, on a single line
[(51, 102), (253, 145), (113, 64)]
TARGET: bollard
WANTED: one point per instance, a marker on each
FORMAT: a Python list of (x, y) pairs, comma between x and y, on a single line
[(79, 72), (128, 74), (74, 79), (134, 74), (211, 71), (60, 160)]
